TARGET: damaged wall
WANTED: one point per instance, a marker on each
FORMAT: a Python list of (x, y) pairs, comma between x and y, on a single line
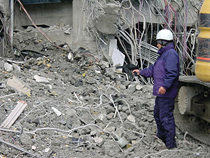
[(45, 14), (70, 16), (92, 24), (54, 19)]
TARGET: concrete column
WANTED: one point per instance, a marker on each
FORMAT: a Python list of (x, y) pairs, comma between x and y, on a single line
[(5, 9), (79, 23), (4, 6), (80, 35)]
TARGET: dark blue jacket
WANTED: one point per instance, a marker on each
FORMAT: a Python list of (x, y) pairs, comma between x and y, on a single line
[(165, 71)]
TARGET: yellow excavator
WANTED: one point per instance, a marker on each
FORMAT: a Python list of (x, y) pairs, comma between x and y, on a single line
[(192, 113)]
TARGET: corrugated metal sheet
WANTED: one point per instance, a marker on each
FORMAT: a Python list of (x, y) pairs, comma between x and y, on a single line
[(39, 1)]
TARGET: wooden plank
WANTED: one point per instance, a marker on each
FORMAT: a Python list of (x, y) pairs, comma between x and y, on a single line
[(11, 115), (14, 114)]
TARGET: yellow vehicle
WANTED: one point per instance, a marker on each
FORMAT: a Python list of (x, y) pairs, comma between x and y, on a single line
[(194, 93)]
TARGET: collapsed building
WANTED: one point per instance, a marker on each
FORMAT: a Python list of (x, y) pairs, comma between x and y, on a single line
[(65, 63), (102, 26)]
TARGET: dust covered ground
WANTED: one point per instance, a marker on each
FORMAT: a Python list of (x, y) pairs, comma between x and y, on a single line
[(78, 107)]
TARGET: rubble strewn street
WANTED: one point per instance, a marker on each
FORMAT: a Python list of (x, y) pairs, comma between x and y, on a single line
[(79, 106)]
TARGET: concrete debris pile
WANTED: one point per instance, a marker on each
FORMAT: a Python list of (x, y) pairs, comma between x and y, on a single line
[(78, 106), (32, 39)]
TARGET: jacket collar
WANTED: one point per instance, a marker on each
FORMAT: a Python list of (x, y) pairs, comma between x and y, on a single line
[(163, 49)]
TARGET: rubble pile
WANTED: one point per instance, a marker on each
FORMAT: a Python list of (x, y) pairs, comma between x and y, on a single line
[(78, 106), (38, 41)]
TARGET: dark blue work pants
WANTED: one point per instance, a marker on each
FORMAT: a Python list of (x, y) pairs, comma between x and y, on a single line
[(163, 114)]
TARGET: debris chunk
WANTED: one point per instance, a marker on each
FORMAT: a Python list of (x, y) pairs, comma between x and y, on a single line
[(8, 67), (41, 79), (47, 150), (25, 139), (131, 118), (58, 113), (70, 57), (98, 140), (19, 86), (122, 142)]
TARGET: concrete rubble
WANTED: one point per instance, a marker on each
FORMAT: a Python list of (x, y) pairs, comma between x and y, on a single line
[(77, 104), (80, 106)]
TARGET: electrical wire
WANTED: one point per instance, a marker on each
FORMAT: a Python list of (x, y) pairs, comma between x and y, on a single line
[(132, 34)]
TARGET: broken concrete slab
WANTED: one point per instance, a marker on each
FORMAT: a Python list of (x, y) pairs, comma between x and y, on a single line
[(19, 86), (106, 24)]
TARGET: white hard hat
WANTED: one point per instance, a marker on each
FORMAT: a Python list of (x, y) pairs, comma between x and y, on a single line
[(164, 34)]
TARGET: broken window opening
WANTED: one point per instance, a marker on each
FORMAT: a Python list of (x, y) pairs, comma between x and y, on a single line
[(2, 34), (40, 26), (1, 25), (27, 2)]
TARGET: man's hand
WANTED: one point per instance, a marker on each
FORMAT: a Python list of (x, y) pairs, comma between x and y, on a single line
[(161, 90), (137, 71)]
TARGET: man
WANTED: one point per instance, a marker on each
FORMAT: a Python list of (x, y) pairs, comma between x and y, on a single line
[(165, 73)]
